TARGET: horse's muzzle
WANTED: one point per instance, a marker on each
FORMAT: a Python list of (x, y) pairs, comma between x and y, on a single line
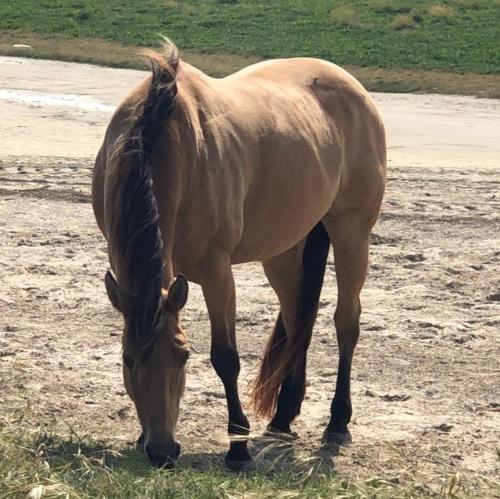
[(162, 458)]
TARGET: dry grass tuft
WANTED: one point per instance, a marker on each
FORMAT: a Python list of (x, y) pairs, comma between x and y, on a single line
[(472, 4), (106, 53), (442, 11), (403, 21), (345, 16)]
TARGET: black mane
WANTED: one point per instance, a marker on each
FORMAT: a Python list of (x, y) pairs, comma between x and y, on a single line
[(134, 238)]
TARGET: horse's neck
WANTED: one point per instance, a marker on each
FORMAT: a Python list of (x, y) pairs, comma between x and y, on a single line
[(168, 187)]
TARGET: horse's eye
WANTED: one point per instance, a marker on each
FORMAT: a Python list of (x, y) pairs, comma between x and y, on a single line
[(128, 361)]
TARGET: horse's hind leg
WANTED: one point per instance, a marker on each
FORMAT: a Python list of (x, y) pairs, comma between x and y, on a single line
[(283, 273), (349, 232), (297, 277)]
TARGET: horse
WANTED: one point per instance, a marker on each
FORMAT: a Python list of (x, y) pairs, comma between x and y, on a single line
[(274, 163)]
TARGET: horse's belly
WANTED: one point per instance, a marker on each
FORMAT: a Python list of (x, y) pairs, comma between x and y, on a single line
[(283, 207)]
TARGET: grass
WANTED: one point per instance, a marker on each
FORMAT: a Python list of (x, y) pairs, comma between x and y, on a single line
[(403, 21), (440, 10), (47, 465), (219, 64), (345, 16), (110, 54), (452, 36), (389, 45)]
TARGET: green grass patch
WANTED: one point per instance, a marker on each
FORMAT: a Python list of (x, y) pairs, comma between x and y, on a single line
[(47, 465), (454, 36)]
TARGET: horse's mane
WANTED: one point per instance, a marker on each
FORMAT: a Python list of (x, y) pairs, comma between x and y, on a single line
[(134, 238)]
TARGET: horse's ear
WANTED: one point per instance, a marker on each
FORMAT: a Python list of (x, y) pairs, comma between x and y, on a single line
[(177, 294), (113, 290)]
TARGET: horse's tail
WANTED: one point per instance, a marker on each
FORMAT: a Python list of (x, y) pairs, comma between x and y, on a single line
[(133, 233), (283, 358)]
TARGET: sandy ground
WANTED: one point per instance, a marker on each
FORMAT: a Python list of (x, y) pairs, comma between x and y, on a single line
[(426, 372)]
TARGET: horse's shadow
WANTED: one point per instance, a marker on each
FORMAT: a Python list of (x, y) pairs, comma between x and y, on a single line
[(72, 451), (272, 456)]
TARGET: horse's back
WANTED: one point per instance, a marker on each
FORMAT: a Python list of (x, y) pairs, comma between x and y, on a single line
[(347, 111), (334, 101), (321, 143), (297, 71)]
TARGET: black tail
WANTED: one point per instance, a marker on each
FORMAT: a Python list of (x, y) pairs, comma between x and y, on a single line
[(282, 359), (134, 239)]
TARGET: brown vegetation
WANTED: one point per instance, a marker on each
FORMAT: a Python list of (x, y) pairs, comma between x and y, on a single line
[(115, 55)]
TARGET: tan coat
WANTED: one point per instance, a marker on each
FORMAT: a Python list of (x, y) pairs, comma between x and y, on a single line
[(270, 164), (253, 161)]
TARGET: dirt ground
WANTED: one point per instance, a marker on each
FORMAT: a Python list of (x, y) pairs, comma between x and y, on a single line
[(426, 371)]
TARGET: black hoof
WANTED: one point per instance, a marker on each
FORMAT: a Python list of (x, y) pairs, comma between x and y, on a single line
[(239, 466), (276, 433), (336, 438)]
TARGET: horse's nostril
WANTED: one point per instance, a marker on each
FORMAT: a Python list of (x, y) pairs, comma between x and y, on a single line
[(140, 440), (162, 458)]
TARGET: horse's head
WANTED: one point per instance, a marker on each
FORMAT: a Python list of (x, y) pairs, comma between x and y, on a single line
[(154, 367)]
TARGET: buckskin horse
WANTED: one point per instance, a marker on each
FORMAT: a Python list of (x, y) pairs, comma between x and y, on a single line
[(271, 164)]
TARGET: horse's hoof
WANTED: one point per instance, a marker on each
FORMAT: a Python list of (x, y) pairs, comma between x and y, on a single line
[(239, 466), (336, 439), (275, 433)]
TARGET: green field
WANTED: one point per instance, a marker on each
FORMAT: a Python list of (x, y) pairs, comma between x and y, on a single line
[(456, 36), (459, 35), (448, 46)]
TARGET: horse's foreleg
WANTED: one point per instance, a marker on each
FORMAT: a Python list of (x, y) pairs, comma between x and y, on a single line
[(219, 294), (350, 238)]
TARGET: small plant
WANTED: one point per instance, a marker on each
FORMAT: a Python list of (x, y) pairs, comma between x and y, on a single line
[(390, 7), (403, 21), (82, 16), (442, 11), (345, 16)]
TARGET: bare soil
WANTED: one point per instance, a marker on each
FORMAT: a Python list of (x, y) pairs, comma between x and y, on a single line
[(426, 371)]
